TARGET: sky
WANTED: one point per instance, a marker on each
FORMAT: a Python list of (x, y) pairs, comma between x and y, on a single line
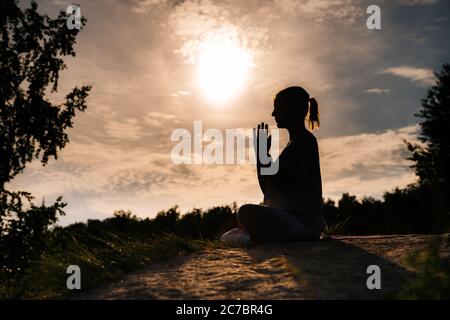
[(156, 65)]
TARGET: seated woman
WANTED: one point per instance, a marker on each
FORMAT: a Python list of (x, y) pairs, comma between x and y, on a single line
[(292, 207)]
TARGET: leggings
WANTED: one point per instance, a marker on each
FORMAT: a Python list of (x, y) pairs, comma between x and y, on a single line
[(268, 223)]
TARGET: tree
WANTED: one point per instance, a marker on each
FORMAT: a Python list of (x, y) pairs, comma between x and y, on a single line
[(432, 160), (32, 47)]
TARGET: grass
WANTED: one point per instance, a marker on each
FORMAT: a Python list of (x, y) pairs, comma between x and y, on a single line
[(336, 228), (101, 257), (432, 281)]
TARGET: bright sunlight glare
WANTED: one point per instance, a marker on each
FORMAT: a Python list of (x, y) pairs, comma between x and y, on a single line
[(223, 68)]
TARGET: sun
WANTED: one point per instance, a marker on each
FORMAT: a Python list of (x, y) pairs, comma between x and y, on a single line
[(223, 66)]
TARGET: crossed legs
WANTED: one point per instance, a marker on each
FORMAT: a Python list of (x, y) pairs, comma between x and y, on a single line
[(267, 223)]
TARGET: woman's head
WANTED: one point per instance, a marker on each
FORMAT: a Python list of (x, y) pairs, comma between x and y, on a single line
[(292, 105)]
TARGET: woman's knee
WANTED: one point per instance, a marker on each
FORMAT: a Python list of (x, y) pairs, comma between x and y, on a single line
[(245, 214)]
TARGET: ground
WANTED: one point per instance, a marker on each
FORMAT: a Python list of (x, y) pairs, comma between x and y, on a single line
[(326, 269)]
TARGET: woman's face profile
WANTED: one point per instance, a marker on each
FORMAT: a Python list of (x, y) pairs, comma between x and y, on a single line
[(283, 118)]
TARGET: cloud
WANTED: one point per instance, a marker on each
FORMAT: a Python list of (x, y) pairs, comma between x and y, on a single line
[(62, 2), (97, 178), (142, 182), (197, 23), (158, 119), (142, 6), (367, 164), (377, 90), (321, 10), (180, 93), (422, 76), (128, 129), (418, 2)]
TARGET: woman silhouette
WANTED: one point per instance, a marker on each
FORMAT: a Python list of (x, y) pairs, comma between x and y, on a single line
[(292, 207)]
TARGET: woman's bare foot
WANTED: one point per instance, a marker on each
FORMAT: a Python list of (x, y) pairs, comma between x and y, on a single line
[(236, 238)]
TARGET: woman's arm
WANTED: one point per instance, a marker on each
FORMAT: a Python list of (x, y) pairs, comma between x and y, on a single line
[(262, 179), (262, 132)]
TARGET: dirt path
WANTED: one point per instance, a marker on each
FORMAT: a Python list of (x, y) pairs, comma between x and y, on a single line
[(334, 269)]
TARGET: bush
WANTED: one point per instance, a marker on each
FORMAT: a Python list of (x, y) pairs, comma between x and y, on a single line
[(433, 279)]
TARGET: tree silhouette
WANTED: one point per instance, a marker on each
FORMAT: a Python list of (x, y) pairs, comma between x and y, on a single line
[(31, 50), (432, 161), (432, 158)]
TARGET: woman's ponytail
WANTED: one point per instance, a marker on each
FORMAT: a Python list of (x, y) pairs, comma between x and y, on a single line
[(313, 120)]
